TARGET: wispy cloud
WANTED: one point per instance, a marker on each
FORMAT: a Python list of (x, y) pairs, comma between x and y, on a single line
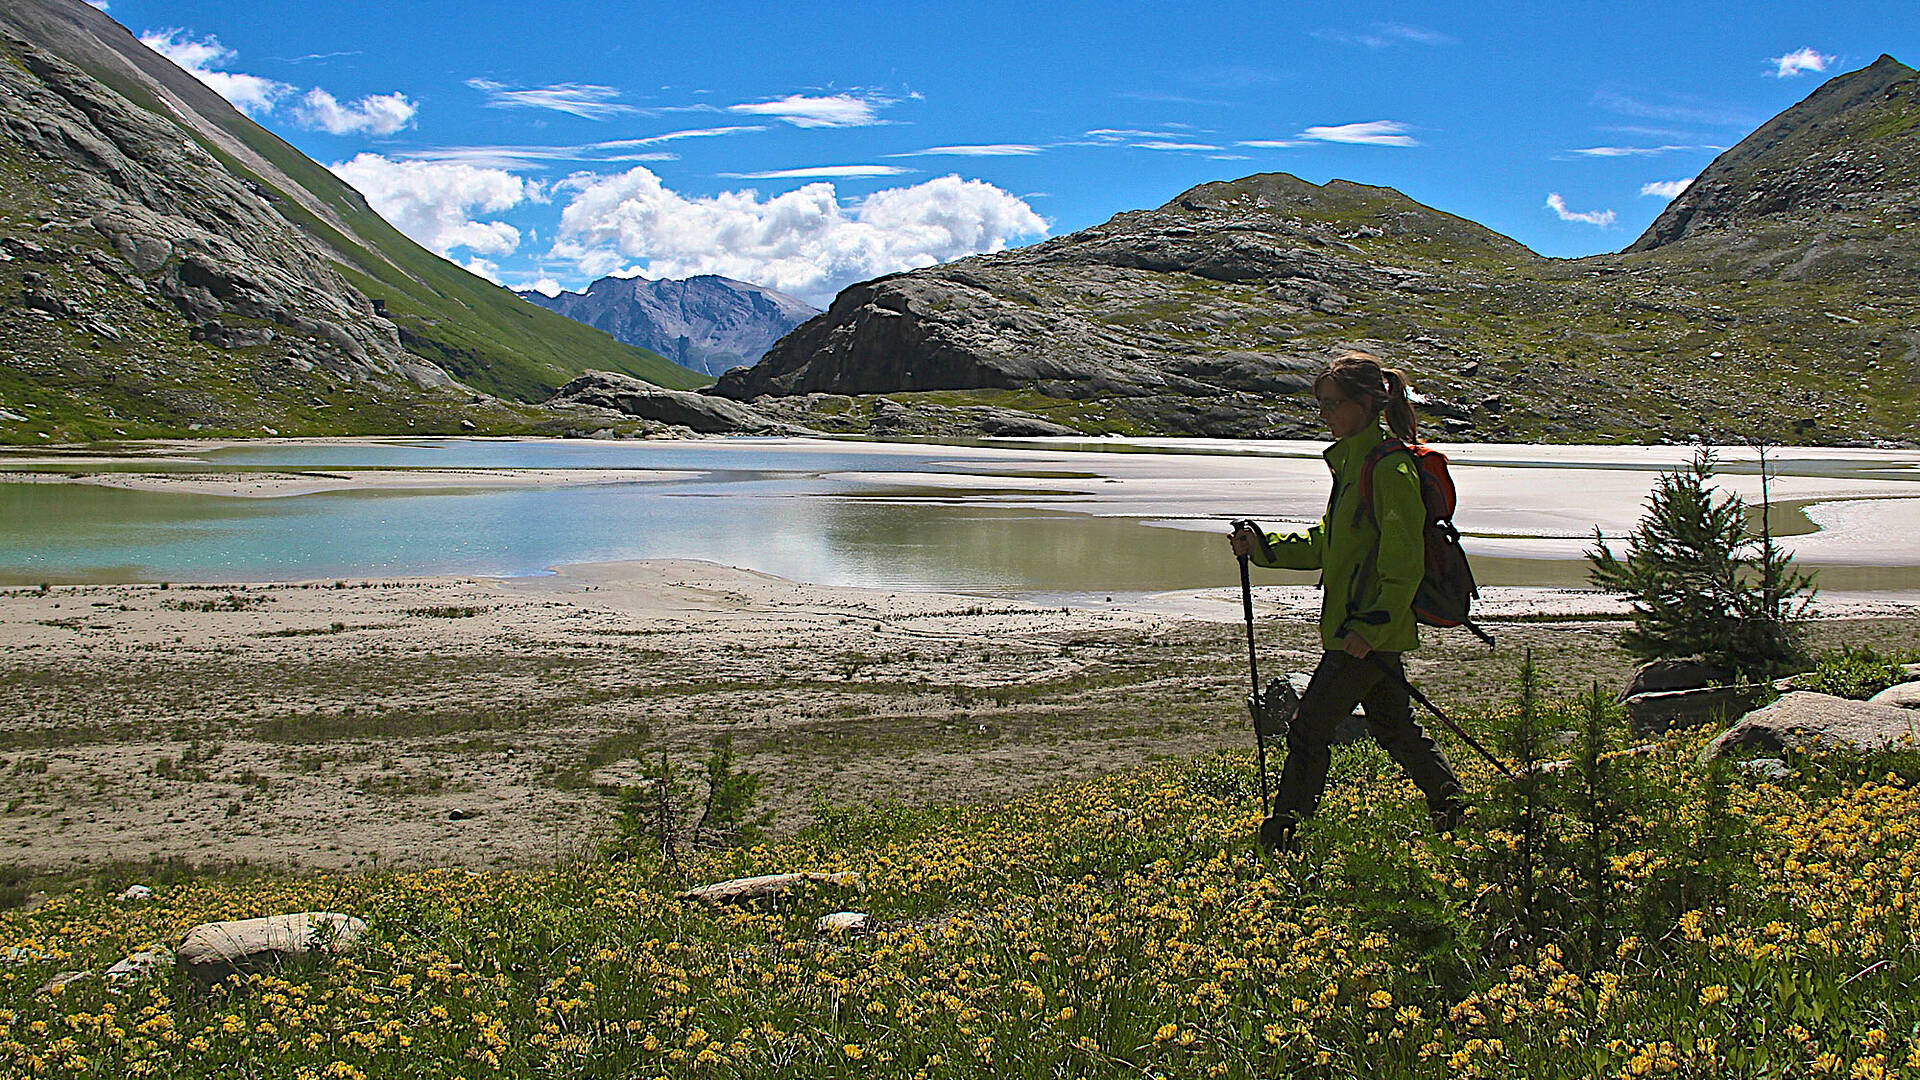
[(589, 101), (1381, 35), (1666, 189), (1164, 145), (375, 114), (1368, 133), (1682, 111), (1558, 205), (1626, 151), (676, 136), (838, 110), (974, 150), (1799, 62), (820, 172), (1271, 144)]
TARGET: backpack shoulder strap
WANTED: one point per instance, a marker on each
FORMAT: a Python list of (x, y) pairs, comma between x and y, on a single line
[(1388, 445)]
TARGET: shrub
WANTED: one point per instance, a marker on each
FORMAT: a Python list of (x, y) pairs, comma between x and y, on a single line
[(1855, 673), (1701, 586)]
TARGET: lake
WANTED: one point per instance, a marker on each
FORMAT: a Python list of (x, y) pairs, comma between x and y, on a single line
[(1032, 517)]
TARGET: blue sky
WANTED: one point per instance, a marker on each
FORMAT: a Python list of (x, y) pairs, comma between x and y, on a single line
[(807, 145)]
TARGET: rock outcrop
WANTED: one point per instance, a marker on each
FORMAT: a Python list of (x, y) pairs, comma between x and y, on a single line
[(706, 323), (1806, 720), (636, 397), (764, 887)]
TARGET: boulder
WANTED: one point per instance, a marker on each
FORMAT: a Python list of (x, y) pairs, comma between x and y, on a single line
[(213, 951), (1805, 720), (637, 397), (62, 981), (767, 886), (1684, 673), (847, 923), (1904, 695), (137, 892), (1661, 710)]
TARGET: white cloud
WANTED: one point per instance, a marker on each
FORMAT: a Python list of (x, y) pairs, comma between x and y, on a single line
[(1666, 189), (820, 172), (1558, 205), (101, 4), (438, 204), (1799, 62), (675, 136), (1384, 34), (546, 286), (375, 114), (1369, 133), (840, 110), (251, 94), (1162, 145), (1270, 144), (589, 101), (976, 150), (1626, 151), (802, 242)]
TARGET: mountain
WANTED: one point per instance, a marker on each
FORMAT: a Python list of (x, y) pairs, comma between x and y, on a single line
[(166, 264), (706, 324), (1775, 300)]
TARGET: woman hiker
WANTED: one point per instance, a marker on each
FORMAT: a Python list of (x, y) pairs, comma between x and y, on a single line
[(1371, 557)]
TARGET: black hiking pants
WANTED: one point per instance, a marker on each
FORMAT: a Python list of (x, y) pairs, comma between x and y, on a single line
[(1339, 683)]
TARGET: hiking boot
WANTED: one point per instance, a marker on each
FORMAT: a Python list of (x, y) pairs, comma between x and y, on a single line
[(1447, 816), (1280, 834)]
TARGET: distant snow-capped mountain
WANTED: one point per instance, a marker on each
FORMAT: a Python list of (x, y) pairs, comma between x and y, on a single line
[(707, 323)]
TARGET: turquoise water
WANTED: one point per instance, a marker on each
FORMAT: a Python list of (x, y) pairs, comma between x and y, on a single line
[(984, 520)]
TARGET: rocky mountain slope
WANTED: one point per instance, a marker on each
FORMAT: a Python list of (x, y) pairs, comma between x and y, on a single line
[(706, 324), (1775, 300), (168, 265)]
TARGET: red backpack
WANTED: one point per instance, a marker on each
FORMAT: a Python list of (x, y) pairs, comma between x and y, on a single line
[(1447, 590)]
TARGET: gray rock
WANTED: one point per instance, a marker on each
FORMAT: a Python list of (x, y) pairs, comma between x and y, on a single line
[(767, 886), (637, 397), (844, 924), (62, 981), (1660, 710), (1901, 696), (141, 965), (1688, 673), (1770, 769), (214, 951), (1804, 720), (137, 892)]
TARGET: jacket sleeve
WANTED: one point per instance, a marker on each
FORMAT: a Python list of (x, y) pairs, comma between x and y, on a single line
[(1402, 518), (1296, 550)]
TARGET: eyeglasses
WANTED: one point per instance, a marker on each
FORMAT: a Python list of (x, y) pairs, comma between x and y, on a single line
[(1329, 404)]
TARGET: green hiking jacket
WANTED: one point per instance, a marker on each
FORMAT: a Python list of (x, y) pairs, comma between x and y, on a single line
[(1370, 565)]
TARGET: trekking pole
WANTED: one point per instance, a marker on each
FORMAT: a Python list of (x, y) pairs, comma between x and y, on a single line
[(1414, 691), (1253, 668)]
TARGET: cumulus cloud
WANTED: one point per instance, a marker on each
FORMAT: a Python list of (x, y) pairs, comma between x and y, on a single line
[(375, 114), (975, 150), (820, 172), (1368, 133), (1799, 62), (838, 110), (803, 242), (589, 101), (203, 59), (1558, 205), (440, 204), (1666, 189)]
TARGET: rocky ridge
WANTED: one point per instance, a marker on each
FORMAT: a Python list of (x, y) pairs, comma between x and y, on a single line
[(1779, 307), (706, 323)]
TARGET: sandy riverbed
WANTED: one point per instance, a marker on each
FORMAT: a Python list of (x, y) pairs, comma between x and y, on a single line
[(480, 722)]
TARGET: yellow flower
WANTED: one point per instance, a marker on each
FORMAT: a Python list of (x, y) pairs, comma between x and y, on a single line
[(1713, 995), (1379, 999), (853, 1051)]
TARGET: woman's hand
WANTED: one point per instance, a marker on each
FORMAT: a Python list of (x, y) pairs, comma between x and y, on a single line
[(1242, 541), (1355, 646)]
